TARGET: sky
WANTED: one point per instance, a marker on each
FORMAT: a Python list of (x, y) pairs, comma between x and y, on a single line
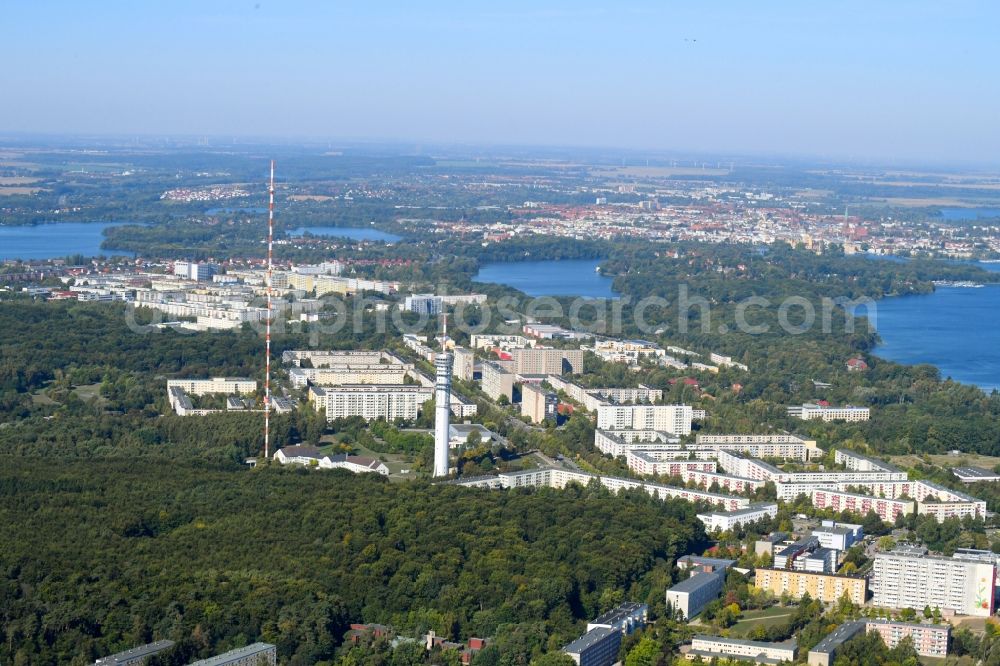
[(906, 80)]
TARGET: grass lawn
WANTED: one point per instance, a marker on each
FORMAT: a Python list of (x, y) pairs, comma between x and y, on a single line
[(396, 462), (948, 461), (768, 617), (948, 661)]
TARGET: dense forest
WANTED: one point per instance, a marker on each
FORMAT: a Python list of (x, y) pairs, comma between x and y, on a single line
[(217, 557)]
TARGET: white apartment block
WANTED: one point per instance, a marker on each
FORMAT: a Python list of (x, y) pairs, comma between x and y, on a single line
[(809, 412), (718, 647), (373, 373), (753, 468), (932, 498), (910, 579), (648, 463), (672, 419), (225, 385), (788, 447), (727, 362), (371, 401), (507, 342), (418, 344), (592, 399), (858, 462), (461, 407), (728, 520), (629, 352), (725, 482), (326, 359), (618, 442), (427, 304), (642, 394), (559, 478)]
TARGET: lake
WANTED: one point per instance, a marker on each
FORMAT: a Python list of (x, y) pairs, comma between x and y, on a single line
[(956, 329), (571, 277), (52, 241), (353, 233), (959, 213)]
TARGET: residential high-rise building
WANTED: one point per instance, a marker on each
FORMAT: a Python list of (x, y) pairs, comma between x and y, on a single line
[(909, 578), (465, 363), (672, 419), (537, 403)]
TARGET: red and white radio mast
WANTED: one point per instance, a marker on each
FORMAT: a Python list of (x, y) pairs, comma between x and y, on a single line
[(267, 335)]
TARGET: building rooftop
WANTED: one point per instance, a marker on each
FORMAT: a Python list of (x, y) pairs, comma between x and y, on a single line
[(877, 462), (790, 643), (697, 560), (301, 451), (975, 474), (922, 625), (698, 581), (235, 655), (588, 640), (622, 612), (836, 528), (775, 537), (753, 508), (838, 637), (135, 653)]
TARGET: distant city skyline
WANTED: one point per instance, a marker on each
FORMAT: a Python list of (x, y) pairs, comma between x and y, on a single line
[(889, 82)]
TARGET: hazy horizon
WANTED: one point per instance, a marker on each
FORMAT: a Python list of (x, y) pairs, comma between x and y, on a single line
[(853, 82)]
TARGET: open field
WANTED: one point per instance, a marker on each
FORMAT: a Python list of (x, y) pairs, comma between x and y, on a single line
[(948, 183), (12, 191), (948, 661), (658, 172), (17, 180), (945, 460), (396, 462), (769, 617), (310, 197)]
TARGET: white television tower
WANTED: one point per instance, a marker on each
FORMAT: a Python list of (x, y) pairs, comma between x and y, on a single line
[(442, 404)]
